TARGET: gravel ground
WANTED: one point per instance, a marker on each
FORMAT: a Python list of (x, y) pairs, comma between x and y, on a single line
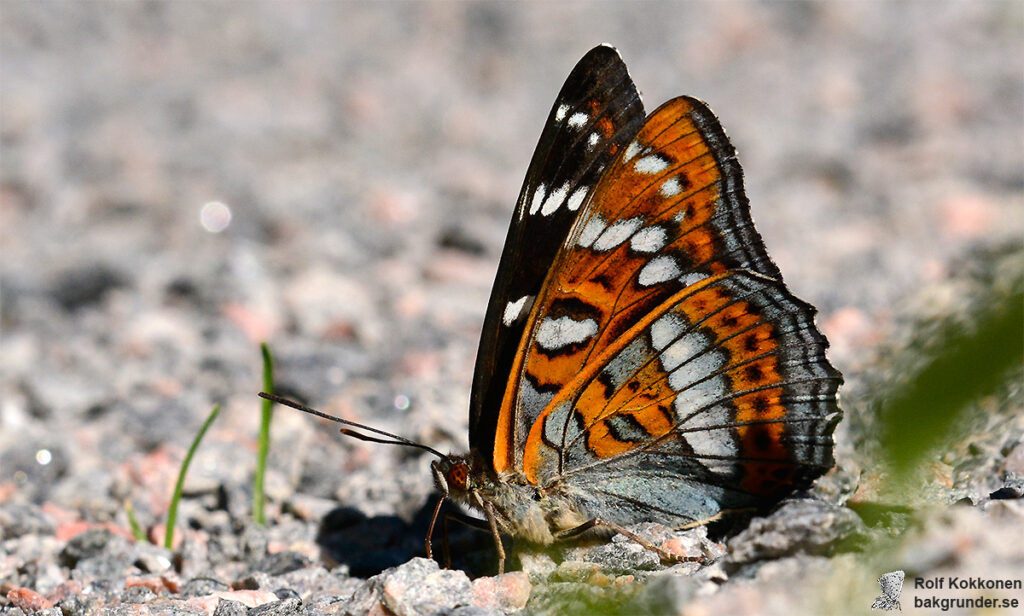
[(370, 155)]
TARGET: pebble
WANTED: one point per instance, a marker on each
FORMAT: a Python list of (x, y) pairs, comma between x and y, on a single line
[(28, 600), (807, 526)]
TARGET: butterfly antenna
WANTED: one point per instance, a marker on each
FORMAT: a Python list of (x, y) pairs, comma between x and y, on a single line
[(394, 438)]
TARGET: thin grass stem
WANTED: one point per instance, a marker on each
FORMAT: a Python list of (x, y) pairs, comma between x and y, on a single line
[(172, 511), (258, 514)]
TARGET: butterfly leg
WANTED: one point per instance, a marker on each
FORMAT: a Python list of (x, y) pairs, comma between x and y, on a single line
[(430, 529), (447, 544), (488, 510), (665, 556), (471, 522)]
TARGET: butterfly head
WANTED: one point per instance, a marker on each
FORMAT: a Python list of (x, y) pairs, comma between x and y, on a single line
[(453, 475)]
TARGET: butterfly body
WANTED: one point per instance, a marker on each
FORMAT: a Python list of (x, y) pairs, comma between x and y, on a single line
[(520, 508)]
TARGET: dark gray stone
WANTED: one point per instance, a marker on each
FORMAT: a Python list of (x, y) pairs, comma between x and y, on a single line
[(327, 605), (23, 519), (91, 543), (286, 593), (255, 581), (808, 526), (78, 605), (138, 594), (283, 607), (280, 563), (85, 285), (201, 586), (227, 607)]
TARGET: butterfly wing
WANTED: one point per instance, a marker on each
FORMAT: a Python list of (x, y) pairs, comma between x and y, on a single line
[(668, 210), (892, 584), (596, 113), (717, 398)]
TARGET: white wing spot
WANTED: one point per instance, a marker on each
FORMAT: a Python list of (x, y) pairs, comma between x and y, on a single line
[(617, 233), (564, 331), (560, 112), (538, 198), (578, 119), (633, 149), (513, 310), (650, 239), (666, 329), (717, 445), (694, 394), (590, 232), (670, 188), (687, 347), (692, 278), (576, 200), (658, 269), (680, 216), (554, 200), (651, 164), (592, 140)]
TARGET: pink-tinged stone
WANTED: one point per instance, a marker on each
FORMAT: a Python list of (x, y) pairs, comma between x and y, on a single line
[(248, 598), (679, 547), (7, 490), (171, 581), (157, 532), (968, 216), (255, 325), (67, 530), (848, 329), (151, 582), (1015, 461), (506, 591), (623, 581), (28, 600), (63, 591), (59, 514)]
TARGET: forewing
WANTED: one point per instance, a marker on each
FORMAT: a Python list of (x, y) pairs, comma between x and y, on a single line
[(725, 386), (669, 209), (596, 113), (892, 584)]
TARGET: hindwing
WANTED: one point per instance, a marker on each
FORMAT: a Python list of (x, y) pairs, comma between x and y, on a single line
[(725, 384)]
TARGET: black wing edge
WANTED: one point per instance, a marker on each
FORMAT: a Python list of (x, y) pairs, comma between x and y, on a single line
[(601, 87)]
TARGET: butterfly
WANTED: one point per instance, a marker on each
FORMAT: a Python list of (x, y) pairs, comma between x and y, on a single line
[(640, 359), (892, 585)]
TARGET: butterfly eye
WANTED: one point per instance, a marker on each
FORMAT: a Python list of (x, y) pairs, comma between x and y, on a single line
[(458, 477)]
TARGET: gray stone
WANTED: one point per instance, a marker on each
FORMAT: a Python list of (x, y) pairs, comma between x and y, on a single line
[(138, 594), (92, 543), (200, 586), (227, 607), (417, 588), (807, 526), (280, 563), (18, 519), (292, 605)]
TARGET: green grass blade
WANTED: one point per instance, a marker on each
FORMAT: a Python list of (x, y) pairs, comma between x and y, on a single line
[(264, 443), (137, 531), (172, 512)]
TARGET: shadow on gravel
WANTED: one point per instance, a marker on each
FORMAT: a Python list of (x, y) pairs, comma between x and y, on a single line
[(369, 545)]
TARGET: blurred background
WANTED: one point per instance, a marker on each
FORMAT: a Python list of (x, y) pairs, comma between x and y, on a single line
[(182, 180)]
